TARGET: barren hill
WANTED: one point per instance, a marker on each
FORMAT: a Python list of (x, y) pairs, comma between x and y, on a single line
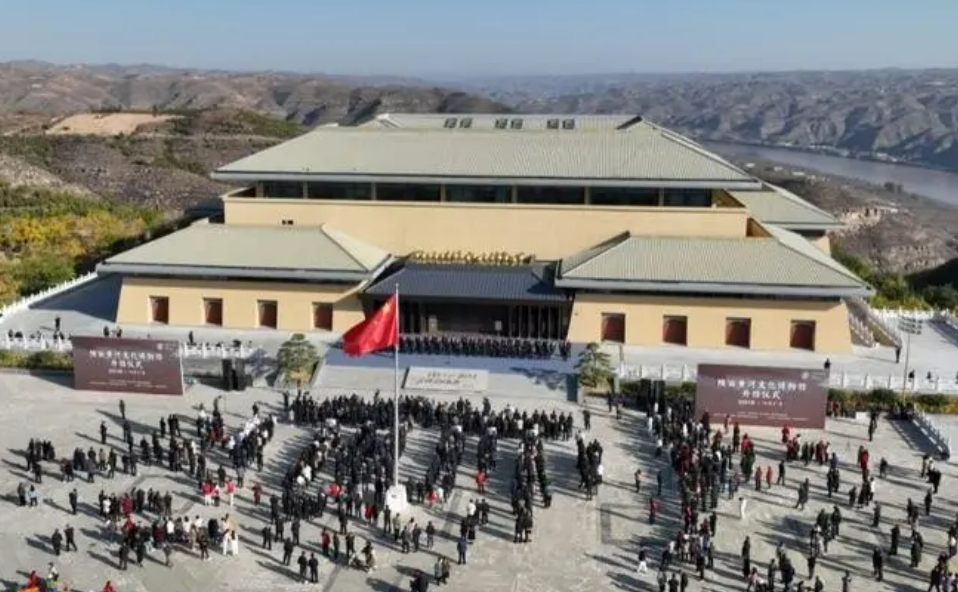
[(36, 87), (909, 115), (163, 163), (151, 135)]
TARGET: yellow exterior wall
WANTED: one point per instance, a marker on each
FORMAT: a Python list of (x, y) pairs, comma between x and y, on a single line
[(548, 232), (722, 199), (823, 243), (771, 320), (294, 308)]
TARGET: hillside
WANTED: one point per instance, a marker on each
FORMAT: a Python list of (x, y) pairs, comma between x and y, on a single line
[(906, 115), (911, 116), (149, 135), (163, 167), (47, 236), (36, 87), (891, 231)]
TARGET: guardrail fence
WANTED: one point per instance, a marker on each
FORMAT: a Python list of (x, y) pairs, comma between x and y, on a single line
[(927, 424), (28, 301), (675, 373), (196, 350)]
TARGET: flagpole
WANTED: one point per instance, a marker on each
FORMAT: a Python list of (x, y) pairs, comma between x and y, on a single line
[(396, 397)]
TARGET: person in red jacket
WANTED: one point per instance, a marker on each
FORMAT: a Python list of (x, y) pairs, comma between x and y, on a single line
[(481, 479), (33, 580), (108, 587)]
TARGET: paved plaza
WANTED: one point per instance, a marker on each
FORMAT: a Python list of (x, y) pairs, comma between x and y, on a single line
[(577, 545)]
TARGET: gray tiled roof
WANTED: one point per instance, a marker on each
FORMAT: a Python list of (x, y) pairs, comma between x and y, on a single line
[(782, 263), (641, 153), (261, 251), (471, 282), (784, 208)]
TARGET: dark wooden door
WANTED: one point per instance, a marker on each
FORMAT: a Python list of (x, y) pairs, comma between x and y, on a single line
[(738, 332), (803, 335), (323, 316), (214, 311), (160, 309), (675, 330), (267, 313), (613, 327)]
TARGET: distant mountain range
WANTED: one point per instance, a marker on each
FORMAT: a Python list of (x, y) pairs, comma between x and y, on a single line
[(38, 87), (904, 115)]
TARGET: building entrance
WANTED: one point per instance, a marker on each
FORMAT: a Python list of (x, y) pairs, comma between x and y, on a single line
[(523, 321)]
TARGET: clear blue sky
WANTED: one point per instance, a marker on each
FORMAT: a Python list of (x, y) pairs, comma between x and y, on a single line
[(463, 38)]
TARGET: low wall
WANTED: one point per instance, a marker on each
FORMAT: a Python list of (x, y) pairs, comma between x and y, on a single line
[(840, 380)]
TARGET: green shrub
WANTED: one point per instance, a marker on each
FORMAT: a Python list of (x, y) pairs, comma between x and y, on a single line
[(838, 396), (630, 392), (41, 360), (11, 359), (883, 398)]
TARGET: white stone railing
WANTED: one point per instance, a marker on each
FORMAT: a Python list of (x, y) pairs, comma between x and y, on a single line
[(31, 344), (945, 317), (948, 318), (860, 330), (219, 350), (927, 424), (837, 379), (28, 301), (878, 318), (197, 350), (891, 315)]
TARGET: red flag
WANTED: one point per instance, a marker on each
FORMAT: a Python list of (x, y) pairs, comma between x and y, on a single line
[(379, 331)]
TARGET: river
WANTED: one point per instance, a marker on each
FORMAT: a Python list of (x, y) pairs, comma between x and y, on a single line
[(938, 185)]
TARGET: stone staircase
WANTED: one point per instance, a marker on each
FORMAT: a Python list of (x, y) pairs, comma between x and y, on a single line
[(861, 334)]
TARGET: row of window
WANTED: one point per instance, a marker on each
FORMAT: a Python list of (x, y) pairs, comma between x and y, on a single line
[(601, 196), (504, 122), (267, 313), (738, 331)]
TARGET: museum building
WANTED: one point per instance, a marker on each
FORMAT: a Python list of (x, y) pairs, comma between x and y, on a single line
[(586, 228)]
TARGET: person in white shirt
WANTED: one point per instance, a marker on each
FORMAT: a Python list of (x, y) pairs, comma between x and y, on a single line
[(471, 509), (643, 560), (742, 503)]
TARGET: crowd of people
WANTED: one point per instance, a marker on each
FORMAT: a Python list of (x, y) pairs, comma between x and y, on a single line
[(352, 448), (345, 471), (703, 460), (140, 522)]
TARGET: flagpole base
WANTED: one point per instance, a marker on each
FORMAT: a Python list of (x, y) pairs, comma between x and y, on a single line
[(396, 499)]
